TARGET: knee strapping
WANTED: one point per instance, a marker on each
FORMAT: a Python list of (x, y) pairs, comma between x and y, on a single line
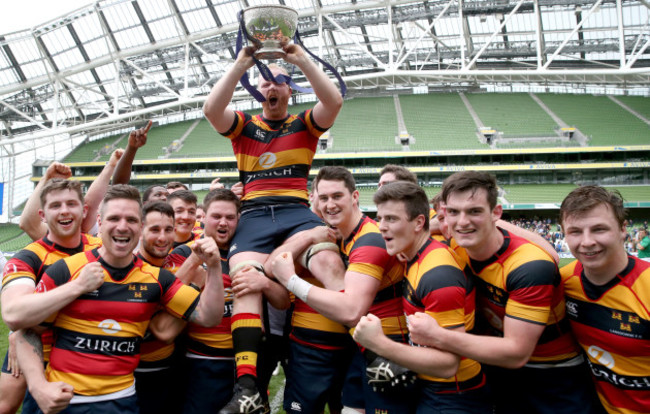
[(307, 255), (254, 263)]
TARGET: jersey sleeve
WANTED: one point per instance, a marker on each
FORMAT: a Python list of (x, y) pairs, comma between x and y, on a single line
[(55, 276), (369, 256), (177, 257), (21, 269), (237, 125), (531, 288), (179, 299)]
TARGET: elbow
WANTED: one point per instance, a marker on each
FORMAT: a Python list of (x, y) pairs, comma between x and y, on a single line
[(166, 336), (337, 103), (12, 321), (352, 319), (516, 362)]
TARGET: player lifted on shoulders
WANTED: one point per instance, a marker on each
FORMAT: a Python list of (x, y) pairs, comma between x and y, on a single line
[(274, 153)]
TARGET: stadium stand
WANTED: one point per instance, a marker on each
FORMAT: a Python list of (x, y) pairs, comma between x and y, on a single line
[(203, 141), (555, 193), (598, 117), (439, 122), (9, 231), (89, 151), (366, 124), (639, 104), (15, 244), (514, 114)]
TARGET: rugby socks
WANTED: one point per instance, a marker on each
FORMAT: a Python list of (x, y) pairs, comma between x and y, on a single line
[(246, 337)]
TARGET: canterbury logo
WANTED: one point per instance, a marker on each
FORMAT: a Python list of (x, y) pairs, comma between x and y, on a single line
[(267, 160)]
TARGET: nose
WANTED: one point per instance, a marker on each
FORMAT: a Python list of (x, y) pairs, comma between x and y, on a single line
[(382, 225), (462, 219), (587, 239)]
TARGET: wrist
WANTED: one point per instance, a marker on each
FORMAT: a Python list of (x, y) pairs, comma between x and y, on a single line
[(299, 287)]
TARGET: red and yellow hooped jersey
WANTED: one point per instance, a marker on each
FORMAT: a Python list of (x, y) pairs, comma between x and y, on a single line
[(522, 281), (274, 157), (436, 284), (612, 324), (97, 336)]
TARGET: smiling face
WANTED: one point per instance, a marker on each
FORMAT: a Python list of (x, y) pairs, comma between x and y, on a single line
[(185, 214), (63, 212), (221, 220), (157, 236), (471, 221), (337, 205), (596, 239), (277, 96), (120, 227), (399, 233)]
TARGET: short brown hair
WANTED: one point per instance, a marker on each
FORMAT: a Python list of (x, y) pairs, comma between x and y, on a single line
[(121, 192), (412, 195), (471, 181), (337, 173), (401, 173), (157, 206), (60, 184), (221, 194), (583, 199), (185, 195)]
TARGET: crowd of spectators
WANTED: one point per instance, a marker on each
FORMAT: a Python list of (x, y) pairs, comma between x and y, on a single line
[(550, 229)]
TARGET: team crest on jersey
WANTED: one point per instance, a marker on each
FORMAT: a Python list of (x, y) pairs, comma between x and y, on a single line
[(267, 160), (110, 326)]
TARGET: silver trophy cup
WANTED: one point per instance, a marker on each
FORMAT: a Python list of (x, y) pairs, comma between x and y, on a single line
[(269, 27)]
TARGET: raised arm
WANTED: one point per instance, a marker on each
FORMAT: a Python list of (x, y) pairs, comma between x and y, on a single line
[(97, 190), (209, 310), (30, 221), (215, 107), (330, 100), (137, 139)]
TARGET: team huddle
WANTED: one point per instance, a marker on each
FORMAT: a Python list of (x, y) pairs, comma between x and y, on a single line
[(444, 310)]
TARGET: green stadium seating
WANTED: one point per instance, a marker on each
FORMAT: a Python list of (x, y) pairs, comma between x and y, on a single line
[(15, 244), (537, 193), (439, 122), (597, 116), (512, 114), (88, 152), (9, 231), (365, 124), (639, 104), (204, 141)]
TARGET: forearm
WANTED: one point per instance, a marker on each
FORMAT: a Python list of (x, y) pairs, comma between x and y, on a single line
[(122, 173), (220, 96), (492, 350), (29, 351), (209, 310), (95, 194), (428, 361), (30, 221), (325, 90), (191, 271), (277, 295), (166, 327), (30, 309), (341, 307)]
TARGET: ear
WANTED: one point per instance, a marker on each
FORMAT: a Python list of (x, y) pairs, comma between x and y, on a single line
[(355, 197), (497, 212), (41, 214), (419, 223), (84, 212)]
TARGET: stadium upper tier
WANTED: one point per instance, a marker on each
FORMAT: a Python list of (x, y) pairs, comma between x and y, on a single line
[(433, 122)]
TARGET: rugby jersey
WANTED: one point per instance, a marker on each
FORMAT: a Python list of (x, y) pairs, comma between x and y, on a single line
[(274, 157), (97, 336), (612, 324), (436, 284)]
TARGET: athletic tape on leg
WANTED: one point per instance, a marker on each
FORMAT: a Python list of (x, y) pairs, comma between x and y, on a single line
[(306, 256), (257, 265)]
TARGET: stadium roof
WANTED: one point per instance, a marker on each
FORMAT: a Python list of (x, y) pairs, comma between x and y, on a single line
[(113, 63)]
